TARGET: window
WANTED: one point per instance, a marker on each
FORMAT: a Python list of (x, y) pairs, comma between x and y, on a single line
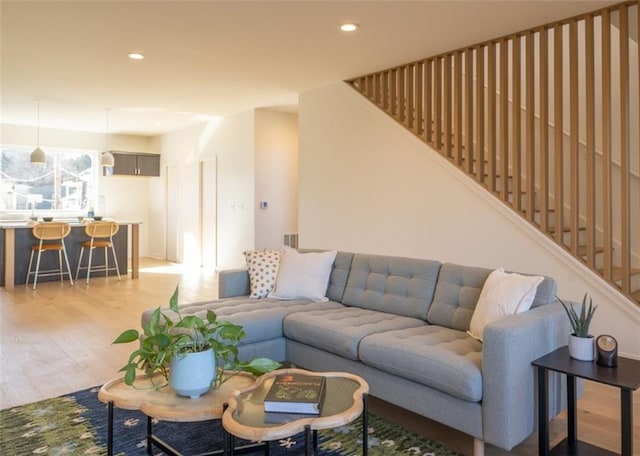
[(68, 182)]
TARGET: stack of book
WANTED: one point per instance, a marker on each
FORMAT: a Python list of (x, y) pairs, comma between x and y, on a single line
[(295, 394)]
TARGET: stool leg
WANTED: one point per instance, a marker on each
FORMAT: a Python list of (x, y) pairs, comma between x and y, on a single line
[(35, 278), (66, 258), (106, 263), (60, 266), (79, 262), (89, 264), (115, 260), (29, 270)]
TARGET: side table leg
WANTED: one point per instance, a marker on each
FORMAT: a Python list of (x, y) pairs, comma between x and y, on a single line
[(543, 413), (365, 424), (110, 428), (626, 412), (572, 422)]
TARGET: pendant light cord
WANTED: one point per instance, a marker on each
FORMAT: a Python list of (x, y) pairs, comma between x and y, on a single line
[(38, 118), (106, 136)]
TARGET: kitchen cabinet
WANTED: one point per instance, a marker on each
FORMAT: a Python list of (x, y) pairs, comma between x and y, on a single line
[(128, 164)]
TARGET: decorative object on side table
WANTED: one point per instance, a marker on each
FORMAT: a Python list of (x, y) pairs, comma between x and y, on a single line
[(581, 346), (607, 349), (168, 347)]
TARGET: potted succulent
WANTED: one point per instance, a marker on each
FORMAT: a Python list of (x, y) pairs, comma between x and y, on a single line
[(581, 344), (191, 353)]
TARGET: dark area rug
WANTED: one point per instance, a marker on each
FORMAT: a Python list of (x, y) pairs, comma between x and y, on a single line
[(76, 424)]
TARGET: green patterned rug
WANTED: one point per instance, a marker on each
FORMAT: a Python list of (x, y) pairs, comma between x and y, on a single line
[(75, 424)]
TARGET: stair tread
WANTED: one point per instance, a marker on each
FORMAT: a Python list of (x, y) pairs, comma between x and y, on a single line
[(566, 229), (582, 250), (616, 272)]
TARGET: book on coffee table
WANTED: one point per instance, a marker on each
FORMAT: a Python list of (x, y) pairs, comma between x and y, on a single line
[(295, 393)]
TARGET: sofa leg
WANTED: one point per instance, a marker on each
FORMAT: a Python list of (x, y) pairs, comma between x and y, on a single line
[(478, 447)]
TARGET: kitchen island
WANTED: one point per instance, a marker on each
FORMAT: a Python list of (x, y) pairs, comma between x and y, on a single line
[(16, 239)]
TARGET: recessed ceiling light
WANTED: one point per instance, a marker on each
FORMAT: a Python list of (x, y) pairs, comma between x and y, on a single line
[(349, 27), (136, 56)]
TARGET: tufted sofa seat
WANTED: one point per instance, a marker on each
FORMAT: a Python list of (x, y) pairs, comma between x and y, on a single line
[(402, 323)]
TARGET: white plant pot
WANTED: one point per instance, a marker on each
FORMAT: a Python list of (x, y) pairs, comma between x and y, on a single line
[(581, 348), (191, 374)]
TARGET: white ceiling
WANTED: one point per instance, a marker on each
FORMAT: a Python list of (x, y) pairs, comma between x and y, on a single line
[(212, 58)]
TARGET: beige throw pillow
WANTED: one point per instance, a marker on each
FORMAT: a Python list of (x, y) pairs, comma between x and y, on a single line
[(263, 269), (503, 294), (303, 275)]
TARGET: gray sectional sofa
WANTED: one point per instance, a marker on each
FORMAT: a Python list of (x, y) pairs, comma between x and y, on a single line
[(401, 324)]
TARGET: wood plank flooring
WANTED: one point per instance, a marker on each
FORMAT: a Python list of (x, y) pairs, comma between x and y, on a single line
[(57, 340)]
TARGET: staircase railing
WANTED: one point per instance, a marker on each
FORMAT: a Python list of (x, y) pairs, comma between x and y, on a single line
[(547, 120)]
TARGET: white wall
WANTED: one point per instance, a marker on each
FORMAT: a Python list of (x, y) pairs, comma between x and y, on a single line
[(368, 185), (255, 153), (123, 197), (276, 177)]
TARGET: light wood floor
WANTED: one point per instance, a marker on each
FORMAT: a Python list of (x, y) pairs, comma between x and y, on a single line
[(57, 340)]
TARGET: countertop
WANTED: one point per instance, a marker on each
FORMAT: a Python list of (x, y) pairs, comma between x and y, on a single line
[(73, 222)]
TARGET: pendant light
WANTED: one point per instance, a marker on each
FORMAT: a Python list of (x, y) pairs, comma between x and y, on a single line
[(106, 158), (38, 156)]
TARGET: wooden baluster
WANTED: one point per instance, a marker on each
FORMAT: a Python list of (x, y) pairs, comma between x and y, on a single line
[(544, 130), (607, 203), (516, 125), (558, 147), (491, 117), (625, 166), (480, 116), (504, 120), (457, 109), (468, 110), (428, 101), (590, 139), (529, 150), (447, 106), (574, 139)]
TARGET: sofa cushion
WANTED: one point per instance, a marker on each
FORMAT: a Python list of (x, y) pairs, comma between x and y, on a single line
[(441, 358), (262, 268), (303, 275), (340, 331), (261, 319), (502, 294), (458, 290), (402, 286)]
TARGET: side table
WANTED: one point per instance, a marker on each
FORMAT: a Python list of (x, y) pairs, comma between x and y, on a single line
[(626, 377), (345, 400), (165, 404)]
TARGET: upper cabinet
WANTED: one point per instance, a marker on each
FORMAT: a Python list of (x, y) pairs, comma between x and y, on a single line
[(131, 164)]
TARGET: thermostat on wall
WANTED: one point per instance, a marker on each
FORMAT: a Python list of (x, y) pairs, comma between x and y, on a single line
[(263, 204)]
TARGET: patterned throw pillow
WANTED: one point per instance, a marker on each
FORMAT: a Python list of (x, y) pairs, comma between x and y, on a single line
[(263, 269)]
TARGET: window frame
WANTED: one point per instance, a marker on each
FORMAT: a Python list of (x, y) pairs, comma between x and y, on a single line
[(22, 214)]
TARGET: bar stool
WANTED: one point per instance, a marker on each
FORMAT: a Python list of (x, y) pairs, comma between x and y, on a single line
[(101, 236), (47, 233)]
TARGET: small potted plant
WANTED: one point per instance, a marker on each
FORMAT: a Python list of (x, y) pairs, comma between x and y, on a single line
[(581, 344), (192, 354)]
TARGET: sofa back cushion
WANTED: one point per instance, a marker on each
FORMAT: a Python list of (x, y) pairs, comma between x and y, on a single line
[(458, 290), (402, 286), (339, 273)]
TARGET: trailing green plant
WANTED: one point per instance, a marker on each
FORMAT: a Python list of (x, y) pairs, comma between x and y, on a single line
[(580, 322), (163, 338)]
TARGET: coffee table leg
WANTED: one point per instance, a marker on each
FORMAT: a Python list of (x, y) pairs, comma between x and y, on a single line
[(110, 428), (365, 424), (308, 447)]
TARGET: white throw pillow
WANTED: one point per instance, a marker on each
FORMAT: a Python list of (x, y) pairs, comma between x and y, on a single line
[(503, 294), (303, 275), (262, 268)]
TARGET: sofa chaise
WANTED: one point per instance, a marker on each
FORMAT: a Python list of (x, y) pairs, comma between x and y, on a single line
[(401, 323)]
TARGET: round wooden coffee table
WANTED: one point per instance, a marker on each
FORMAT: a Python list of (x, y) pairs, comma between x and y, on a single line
[(345, 400), (164, 404)]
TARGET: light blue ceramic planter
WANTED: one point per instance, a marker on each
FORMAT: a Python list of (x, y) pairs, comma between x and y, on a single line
[(191, 374)]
